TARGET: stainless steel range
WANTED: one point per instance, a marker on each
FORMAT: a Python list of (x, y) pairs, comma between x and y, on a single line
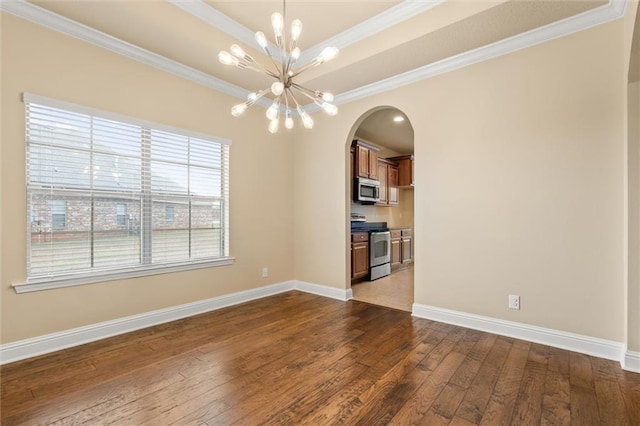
[(379, 254), (379, 245)]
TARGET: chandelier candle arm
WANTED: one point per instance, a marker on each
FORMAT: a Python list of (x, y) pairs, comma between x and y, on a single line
[(307, 121), (325, 96), (327, 54), (283, 88)]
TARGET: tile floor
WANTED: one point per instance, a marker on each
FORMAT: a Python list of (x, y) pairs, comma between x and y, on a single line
[(393, 291)]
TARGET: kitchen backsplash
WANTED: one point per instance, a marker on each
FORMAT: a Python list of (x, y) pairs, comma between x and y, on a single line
[(402, 215)]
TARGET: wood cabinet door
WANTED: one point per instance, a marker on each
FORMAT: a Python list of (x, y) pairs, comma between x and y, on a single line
[(407, 250), (393, 194), (382, 175), (359, 260), (406, 172), (362, 161), (373, 165), (396, 258)]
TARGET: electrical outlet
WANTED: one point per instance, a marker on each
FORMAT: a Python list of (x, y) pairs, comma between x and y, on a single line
[(265, 272), (514, 301)]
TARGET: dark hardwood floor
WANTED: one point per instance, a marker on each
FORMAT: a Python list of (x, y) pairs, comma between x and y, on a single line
[(297, 358)]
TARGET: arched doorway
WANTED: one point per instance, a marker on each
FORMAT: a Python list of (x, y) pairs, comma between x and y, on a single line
[(381, 150)]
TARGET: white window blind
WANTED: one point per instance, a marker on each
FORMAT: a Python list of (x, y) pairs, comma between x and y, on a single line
[(100, 188)]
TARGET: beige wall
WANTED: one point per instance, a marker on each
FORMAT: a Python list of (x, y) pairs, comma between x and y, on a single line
[(43, 62), (519, 187), (633, 294)]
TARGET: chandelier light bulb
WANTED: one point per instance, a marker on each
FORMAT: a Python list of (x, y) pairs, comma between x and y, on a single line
[(272, 111), (296, 29), (261, 39), (328, 53), (277, 21), (273, 125), (288, 122), (295, 53), (277, 88), (238, 52), (239, 109), (225, 58), (307, 121), (329, 108), (327, 96)]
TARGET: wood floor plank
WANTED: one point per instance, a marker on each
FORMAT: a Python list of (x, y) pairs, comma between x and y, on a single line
[(418, 405), (630, 387), (556, 402), (64, 409), (528, 406), (444, 407), (611, 404), (580, 370), (475, 401), (500, 407), (584, 406), (297, 359), (464, 376), (381, 400)]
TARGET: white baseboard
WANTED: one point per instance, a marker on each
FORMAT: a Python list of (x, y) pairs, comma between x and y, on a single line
[(631, 361), (40, 345), (560, 339), (321, 290)]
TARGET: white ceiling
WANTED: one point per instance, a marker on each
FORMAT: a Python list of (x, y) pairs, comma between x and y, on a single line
[(384, 44)]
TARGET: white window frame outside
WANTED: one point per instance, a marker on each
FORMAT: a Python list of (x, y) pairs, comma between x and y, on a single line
[(121, 216), (58, 208), (145, 269)]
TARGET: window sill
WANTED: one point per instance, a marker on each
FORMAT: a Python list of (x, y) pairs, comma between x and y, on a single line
[(75, 280)]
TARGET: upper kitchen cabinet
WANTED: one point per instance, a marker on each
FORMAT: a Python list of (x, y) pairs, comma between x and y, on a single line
[(405, 170), (388, 176), (366, 160)]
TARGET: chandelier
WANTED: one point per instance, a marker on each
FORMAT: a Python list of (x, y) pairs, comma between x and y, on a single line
[(284, 73)]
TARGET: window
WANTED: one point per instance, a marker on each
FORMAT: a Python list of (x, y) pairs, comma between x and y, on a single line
[(83, 165), (121, 214), (58, 214), (168, 214)]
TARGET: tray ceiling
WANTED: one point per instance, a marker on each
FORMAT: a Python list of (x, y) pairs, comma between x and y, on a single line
[(384, 44)]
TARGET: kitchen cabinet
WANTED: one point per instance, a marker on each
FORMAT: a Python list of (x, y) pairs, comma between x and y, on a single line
[(396, 251), (366, 160), (382, 177), (406, 247), (401, 248), (359, 255), (392, 185), (405, 170), (388, 177)]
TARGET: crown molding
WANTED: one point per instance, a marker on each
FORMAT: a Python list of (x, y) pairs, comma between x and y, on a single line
[(613, 10), (44, 17)]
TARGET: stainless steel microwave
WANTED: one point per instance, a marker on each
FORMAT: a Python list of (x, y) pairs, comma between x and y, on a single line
[(366, 191)]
